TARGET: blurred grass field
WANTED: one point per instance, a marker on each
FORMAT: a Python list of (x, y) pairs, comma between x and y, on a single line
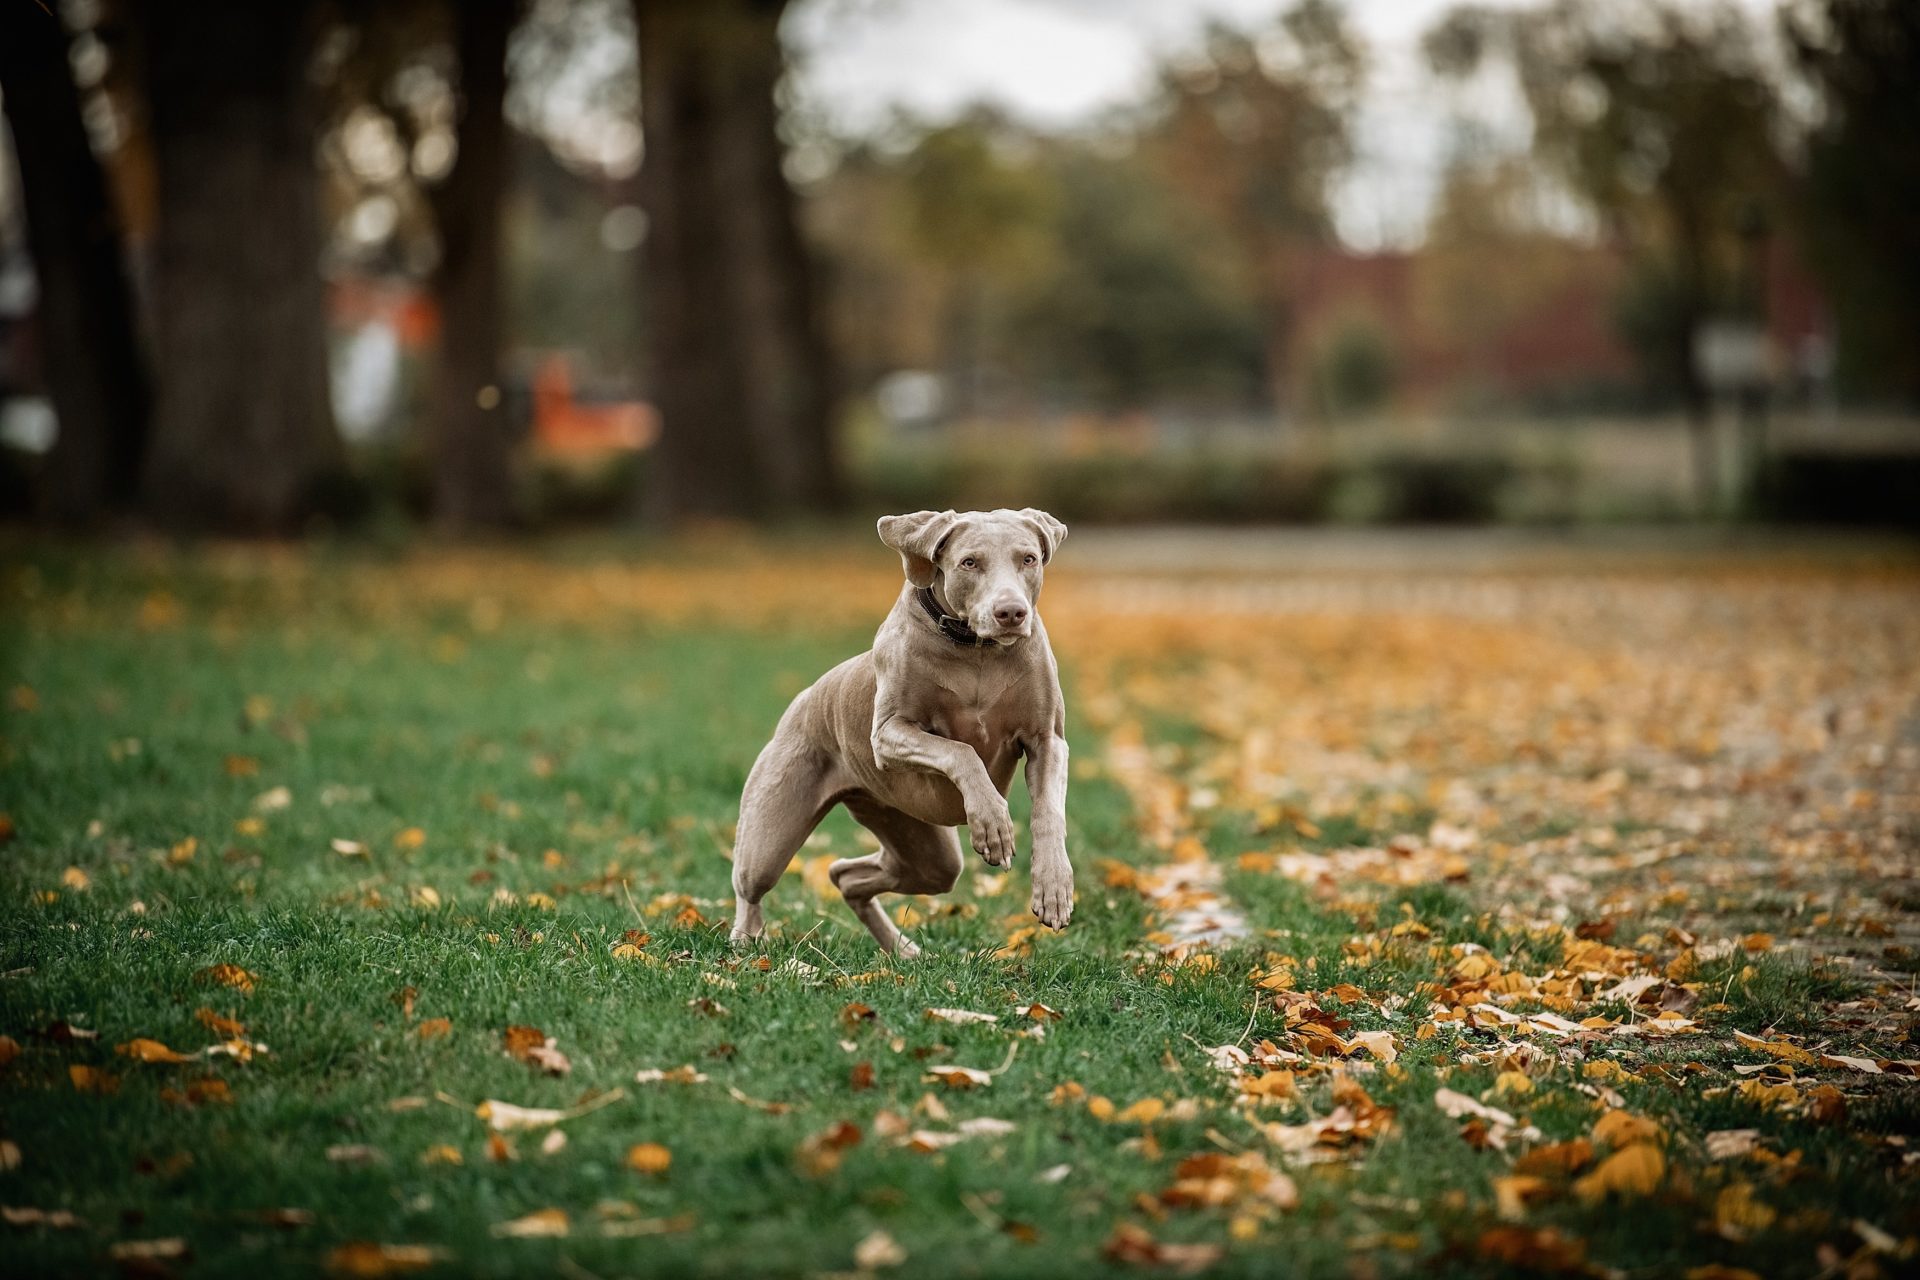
[(497, 788)]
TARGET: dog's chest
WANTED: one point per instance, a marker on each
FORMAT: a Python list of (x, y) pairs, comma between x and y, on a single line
[(979, 712)]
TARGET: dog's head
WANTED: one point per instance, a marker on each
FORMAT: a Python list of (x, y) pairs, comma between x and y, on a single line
[(985, 567)]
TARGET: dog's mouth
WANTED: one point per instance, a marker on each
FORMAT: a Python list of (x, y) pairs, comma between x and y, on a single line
[(1004, 636)]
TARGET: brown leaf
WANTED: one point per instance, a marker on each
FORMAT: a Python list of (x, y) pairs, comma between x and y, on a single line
[(91, 1079), (1555, 1159), (860, 1077), (365, 1260), (224, 1027), (820, 1154), (228, 975), (144, 1050), (433, 1028)]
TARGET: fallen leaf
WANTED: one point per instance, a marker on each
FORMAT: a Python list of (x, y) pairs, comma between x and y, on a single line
[(91, 1079), (648, 1157), (1630, 1172), (683, 1074), (1730, 1144), (365, 1260), (433, 1028), (170, 1249), (878, 1250), (228, 975), (144, 1050), (505, 1117), (960, 1016), (540, 1223), (52, 1219), (959, 1077), (354, 1153), (220, 1025), (820, 1153)]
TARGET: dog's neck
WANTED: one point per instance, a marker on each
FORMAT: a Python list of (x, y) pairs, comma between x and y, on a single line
[(954, 629)]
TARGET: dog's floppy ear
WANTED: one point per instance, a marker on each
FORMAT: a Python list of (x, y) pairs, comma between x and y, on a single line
[(917, 538), (1052, 532)]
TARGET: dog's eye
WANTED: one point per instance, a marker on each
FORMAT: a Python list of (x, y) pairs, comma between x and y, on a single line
[(1030, 558), (969, 563)]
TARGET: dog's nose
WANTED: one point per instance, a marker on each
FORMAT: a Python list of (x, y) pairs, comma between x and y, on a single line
[(1010, 615)]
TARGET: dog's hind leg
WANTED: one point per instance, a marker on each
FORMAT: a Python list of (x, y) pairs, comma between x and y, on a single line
[(789, 790), (914, 857)]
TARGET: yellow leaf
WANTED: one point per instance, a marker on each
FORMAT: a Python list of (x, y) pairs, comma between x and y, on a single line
[(441, 1153), (1632, 1171), (1511, 1194), (1145, 1111), (1738, 1214), (76, 879), (1623, 1129), (1100, 1108), (648, 1157), (1512, 1084), (411, 838)]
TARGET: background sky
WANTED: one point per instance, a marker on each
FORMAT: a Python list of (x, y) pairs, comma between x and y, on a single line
[(1061, 63)]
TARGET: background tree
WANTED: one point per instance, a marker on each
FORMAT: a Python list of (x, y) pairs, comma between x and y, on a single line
[(94, 366), (243, 437), (1861, 212), (1256, 129), (977, 215), (473, 436), (739, 368), (1661, 120)]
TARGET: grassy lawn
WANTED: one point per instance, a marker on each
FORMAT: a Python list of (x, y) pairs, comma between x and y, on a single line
[(1522, 911)]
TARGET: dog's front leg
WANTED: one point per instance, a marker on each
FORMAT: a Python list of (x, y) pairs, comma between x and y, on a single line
[(1052, 873), (898, 744)]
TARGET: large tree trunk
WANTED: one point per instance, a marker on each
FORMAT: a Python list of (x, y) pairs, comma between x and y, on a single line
[(739, 365), (93, 366), (473, 439), (243, 431)]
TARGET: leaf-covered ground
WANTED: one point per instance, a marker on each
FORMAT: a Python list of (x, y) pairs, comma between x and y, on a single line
[(368, 915)]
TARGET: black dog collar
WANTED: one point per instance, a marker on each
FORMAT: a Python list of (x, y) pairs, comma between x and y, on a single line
[(954, 629)]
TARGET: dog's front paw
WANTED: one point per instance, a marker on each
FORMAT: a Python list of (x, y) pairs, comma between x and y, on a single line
[(1053, 894), (990, 828)]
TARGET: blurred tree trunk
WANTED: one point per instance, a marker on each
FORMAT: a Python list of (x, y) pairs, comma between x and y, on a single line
[(473, 439), (93, 363), (243, 435), (739, 365)]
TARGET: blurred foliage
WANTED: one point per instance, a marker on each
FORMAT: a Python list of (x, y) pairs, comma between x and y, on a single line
[(1356, 368), (1861, 210)]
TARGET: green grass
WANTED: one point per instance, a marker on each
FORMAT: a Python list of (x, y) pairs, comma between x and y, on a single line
[(621, 748)]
